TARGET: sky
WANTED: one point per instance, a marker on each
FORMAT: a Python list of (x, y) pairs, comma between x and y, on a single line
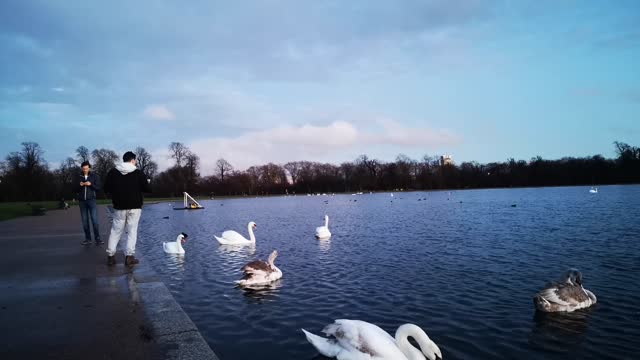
[(283, 80)]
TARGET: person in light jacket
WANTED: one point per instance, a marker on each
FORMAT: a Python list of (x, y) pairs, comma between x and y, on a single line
[(125, 183), (88, 184)]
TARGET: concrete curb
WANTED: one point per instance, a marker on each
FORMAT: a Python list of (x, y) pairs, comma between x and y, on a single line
[(171, 328)]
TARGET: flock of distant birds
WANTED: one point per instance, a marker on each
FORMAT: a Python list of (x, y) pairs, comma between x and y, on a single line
[(360, 340)]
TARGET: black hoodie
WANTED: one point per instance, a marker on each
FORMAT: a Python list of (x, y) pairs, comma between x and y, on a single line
[(126, 184)]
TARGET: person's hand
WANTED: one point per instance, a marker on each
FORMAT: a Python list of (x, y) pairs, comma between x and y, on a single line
[(87, 183), (81, 183)]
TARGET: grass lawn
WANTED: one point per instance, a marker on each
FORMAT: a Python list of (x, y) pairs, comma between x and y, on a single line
[(10, 210)]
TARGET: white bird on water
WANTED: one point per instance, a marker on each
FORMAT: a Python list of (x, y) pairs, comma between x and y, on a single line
[(359, 340), (175, 247), (260, 272), (231, 237), (566, 296), (322, 232)]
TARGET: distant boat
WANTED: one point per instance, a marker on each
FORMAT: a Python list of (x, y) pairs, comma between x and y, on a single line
[(594, 190)]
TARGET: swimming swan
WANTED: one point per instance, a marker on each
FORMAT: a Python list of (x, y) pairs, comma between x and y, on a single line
[(260, 272), (231, 237), (565, 296), (175, 247), (322, 232), (355, 340)]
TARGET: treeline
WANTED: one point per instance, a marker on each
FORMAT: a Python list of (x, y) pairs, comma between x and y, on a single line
[(25, 175)]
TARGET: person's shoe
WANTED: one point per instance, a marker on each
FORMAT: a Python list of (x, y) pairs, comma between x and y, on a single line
[(131, 260), (99, 242), (111, 260), (86, 242)]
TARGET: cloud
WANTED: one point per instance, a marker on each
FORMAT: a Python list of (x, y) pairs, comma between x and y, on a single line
[(158, 112), (337, 141)]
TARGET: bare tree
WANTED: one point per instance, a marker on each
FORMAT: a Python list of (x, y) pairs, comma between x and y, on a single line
[(103, 161), (178, 152), (82, 154), (32, 156), (145, 163), (293, 168), (223, 167)]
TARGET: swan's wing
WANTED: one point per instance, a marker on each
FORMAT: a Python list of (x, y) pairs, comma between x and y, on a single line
[(256, 266), (365, 338), (233, 236), (564, 294), (168, 247), (593, 297), (327, 347)]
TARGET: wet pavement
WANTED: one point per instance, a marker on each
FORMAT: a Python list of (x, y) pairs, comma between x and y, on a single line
[(59, 300)]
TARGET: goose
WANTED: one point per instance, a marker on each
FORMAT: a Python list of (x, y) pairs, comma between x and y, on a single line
[(260, 272), (231, 237), (322, 232), (565, 296), (175, 247), (355, 340)]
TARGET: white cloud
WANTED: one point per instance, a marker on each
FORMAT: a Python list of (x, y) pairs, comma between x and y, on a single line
[(158, 112), (58, 89), (309, 142)]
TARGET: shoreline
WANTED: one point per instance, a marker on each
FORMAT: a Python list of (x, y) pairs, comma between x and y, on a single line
[(60, 300)]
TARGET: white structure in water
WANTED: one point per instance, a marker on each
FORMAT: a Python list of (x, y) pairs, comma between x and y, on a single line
[(190, 205)]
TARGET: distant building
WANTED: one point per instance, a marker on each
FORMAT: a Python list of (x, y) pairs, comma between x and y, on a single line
[(446, 160)]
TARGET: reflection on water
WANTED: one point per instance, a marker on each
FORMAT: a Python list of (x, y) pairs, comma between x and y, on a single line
[(560, 332), (260, 293), (325, 244), (175, 262), (242, 250)]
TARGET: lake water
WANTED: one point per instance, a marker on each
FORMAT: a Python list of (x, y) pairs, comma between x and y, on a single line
[(462, 265)]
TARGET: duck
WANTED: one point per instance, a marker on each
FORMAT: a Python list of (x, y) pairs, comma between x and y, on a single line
[(322, 232), (231, 237), (565, 296), (175, 247), (260, 272), (356, 339)]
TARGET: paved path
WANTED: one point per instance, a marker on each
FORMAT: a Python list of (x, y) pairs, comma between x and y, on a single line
[(59, 300)]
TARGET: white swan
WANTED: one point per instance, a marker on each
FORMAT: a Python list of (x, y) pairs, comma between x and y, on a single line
[(322, 232), (231, 237), (594, 190), (260, 272), (355, 340), (566, 296), (175, 247)]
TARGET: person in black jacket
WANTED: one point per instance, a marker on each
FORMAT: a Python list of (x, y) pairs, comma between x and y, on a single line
[(126, 184), (89, 184)]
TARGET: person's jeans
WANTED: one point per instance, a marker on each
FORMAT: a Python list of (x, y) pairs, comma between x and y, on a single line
[(124, 219), (88, 210)]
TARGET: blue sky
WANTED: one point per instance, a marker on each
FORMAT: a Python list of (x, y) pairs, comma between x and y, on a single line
[(264, 81)]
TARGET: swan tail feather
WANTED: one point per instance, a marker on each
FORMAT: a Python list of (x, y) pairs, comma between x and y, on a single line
[(326, 347), (221, 240)]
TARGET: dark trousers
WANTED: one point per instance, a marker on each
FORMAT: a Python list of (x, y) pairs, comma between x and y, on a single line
[(88, 210)]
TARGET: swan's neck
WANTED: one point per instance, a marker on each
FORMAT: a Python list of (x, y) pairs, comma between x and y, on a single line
[(272, 258), (427, 346), (179, 242), (326, 221), (252, 237)]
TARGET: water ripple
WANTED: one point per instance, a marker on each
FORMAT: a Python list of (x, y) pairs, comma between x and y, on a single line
[(462, 265)]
